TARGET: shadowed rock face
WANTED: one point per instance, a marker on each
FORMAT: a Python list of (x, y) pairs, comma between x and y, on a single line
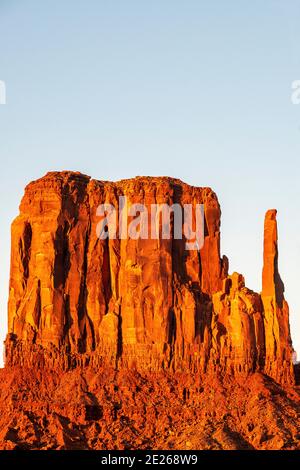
[(142, 304)]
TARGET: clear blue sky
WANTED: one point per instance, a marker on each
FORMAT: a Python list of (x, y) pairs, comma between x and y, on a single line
[(199, 90)]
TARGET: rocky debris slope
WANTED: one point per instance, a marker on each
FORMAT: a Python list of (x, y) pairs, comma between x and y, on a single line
[(107, 409), (140, 304)]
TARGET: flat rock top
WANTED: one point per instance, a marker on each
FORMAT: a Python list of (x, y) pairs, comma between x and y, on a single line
[(66, 177)]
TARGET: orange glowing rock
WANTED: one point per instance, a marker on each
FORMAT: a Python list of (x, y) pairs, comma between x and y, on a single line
[(147, 304), (140, 343)]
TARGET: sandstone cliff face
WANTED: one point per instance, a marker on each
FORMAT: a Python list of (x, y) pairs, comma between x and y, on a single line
[(143, 304)]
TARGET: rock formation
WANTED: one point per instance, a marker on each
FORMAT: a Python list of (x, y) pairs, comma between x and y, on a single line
[(276, 310), (138, 343), (141, 304)]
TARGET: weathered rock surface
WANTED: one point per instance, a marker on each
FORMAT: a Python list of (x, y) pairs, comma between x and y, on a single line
[(276, 309), (87, 408), (140, 344), (143, 304)]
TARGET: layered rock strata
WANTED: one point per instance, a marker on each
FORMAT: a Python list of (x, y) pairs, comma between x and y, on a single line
[(146, 304)]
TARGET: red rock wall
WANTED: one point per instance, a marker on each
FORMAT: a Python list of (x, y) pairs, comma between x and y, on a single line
[(148, 304)]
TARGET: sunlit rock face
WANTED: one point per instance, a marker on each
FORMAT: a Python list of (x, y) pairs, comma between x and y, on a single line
[(275, 307), (145, 304)]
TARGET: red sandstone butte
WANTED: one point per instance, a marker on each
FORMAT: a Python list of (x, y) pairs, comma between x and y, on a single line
[(113, 339), (147, 304)]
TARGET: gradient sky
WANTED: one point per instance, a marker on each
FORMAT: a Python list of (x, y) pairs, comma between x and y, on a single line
[(196, 90)]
